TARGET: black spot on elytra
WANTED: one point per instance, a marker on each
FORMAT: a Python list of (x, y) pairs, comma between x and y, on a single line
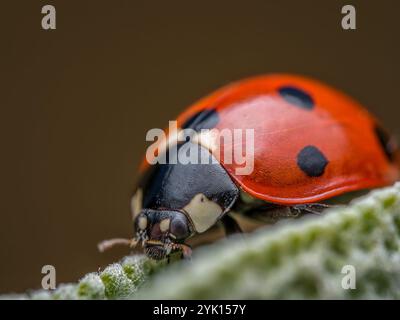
[(312, 161), (387, 144), (297, 97), (205, 119)]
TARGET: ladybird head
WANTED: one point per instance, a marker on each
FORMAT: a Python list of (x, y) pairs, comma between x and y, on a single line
[(175, 201), (161, 231)]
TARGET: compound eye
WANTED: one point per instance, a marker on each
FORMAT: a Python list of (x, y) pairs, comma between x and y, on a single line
[(179, 227)]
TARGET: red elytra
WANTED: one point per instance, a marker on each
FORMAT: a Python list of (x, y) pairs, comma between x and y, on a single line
[(289, 114)]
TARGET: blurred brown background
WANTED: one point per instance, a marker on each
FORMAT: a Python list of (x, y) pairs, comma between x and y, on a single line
[(77, 101)]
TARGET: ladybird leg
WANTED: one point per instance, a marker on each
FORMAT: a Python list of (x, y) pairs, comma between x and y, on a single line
[(312, 208), (186, 252), (185, 249), (270, 213), (320, 207), (230, 225)]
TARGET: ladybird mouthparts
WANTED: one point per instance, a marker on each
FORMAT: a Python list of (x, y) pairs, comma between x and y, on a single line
[(156, 249), (156, 252)]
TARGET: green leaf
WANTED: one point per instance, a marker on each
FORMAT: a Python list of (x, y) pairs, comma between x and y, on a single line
[(293, 259)]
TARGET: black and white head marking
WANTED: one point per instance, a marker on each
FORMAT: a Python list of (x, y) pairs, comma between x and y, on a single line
[(175, 201)]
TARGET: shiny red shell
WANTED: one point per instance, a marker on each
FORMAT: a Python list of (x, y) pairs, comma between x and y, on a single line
[(358, 154)]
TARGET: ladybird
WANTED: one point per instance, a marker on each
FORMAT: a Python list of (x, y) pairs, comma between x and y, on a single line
[(312, 143)]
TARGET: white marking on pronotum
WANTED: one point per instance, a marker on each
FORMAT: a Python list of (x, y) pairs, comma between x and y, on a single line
[(142, 223), (136, 202), (203, 212), (164, 225)]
